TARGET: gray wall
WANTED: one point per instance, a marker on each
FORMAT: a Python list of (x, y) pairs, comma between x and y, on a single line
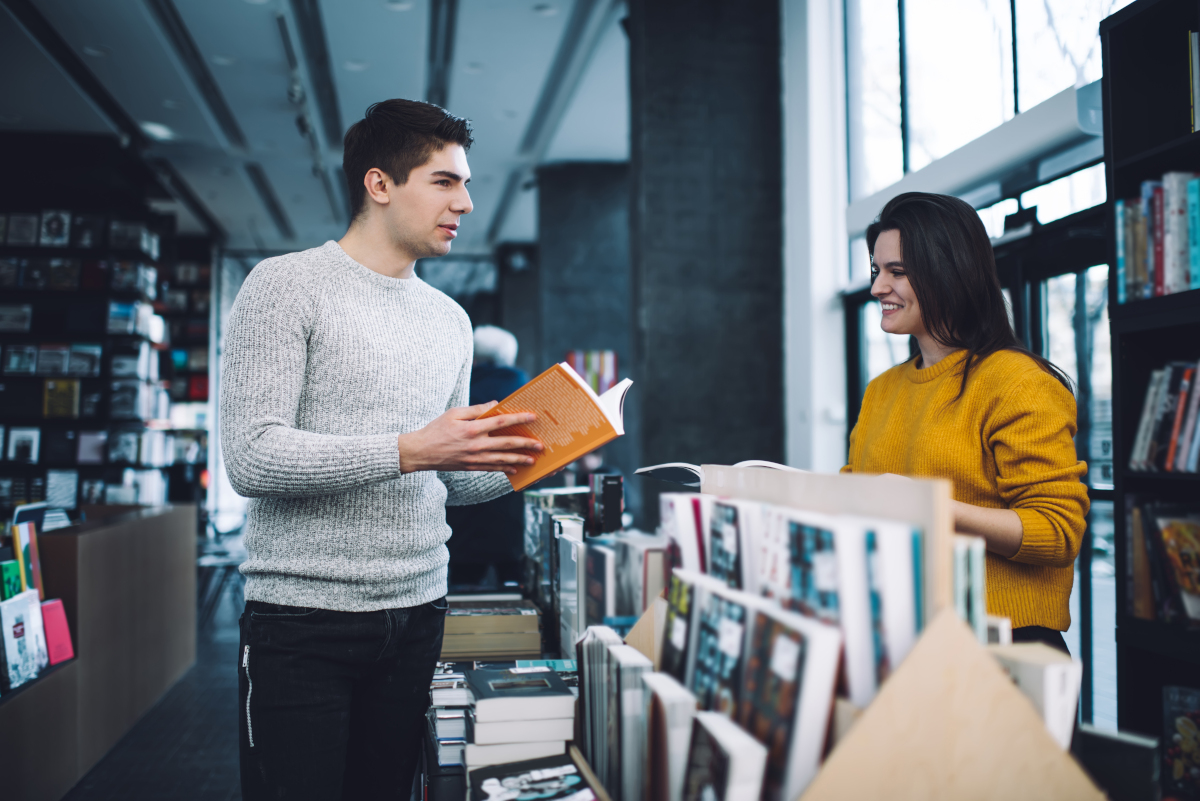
[(706, 228), (584, 281)]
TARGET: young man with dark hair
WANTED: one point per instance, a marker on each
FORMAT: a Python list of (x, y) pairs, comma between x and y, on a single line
[(342, 385)]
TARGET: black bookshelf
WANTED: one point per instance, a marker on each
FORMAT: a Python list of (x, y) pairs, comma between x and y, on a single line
[(1147, 132)]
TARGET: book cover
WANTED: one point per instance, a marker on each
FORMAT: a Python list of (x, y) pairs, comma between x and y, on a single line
[(1147, 241), (24, 444), (1160, 221), (63, 275), (84, 359), (1141, 594), (670, 710), (10, 579), (16, 318), (1181, 544), (641, 571), (1181, 743), (720, 642), (725, 544), (121, 317), (1189, 426), (1141, 442), (1049, 678), (545, 779), (62, 488), (571, 419), (1193, 232), (60, 397), (20, 651), (1137, 248), (59, 446), (1175, 232), (20, 359), (24, 538), (1164, 416), (22, 229), (601, 600), (519, 694), (724, 762), (675, 651), (53, 358), (55, 229), (35, 273), (87, 231), (1177, 415), (1119, 223), (10, 271)]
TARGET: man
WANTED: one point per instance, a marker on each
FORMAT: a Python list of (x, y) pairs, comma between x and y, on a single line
[(342, 378)]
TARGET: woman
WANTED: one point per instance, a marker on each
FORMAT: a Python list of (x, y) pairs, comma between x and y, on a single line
[(974, 406)]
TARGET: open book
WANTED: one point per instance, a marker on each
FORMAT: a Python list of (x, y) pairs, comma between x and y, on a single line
[(691, 475), (572, 419)]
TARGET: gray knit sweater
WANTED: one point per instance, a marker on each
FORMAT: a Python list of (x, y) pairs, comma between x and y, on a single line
[(325, 362)]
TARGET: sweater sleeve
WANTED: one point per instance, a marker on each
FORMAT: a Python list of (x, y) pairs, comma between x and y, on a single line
[(464, 488), (263, 363), (1037, 471)]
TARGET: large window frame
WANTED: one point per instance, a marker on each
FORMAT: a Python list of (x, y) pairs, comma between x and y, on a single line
[(1069, 245)]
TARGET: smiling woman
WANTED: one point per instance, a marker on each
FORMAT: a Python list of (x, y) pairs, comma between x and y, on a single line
[(972, 405)]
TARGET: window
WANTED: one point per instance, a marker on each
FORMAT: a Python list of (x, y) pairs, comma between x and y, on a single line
[(959, 83), (1069, 194), (873, 73)]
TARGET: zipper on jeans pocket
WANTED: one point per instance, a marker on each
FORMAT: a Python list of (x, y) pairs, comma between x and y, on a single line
[(249, 690)]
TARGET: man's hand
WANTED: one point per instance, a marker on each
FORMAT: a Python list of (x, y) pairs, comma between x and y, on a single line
[(459, 441)]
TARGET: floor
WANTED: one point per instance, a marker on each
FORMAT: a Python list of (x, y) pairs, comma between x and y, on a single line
[(186, 747)]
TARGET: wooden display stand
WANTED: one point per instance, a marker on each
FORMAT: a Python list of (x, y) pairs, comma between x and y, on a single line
[(128, 584), (949, 723)]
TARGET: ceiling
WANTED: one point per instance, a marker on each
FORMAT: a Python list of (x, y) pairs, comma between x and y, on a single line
[(247, 100)]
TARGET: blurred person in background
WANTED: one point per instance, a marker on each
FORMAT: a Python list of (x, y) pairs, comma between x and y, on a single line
[(487, 540)]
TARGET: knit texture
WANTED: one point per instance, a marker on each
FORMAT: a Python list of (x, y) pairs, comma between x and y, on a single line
[(325, 363), (1005, 444)]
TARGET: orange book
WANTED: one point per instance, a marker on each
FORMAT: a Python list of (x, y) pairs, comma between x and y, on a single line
[(572, 420)]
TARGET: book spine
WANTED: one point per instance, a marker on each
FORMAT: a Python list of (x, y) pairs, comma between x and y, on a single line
[(1193, 229), (1119, 228), (1189, 426), (1143, 429), (1194, 63), (1159, 236), (1180, 407), (1193, 462), (1161, 431)]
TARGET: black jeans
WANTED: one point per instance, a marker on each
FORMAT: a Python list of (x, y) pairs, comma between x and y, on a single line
[(1041, 634), (331, 703)]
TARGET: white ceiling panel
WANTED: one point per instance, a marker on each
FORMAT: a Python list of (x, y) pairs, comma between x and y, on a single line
[(595, 126), (304, 201), (125, 49), (377, 52), (35, 95), (502, 52), (242, 47)]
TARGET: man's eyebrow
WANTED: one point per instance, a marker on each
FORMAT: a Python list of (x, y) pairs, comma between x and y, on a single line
[(453, 176)]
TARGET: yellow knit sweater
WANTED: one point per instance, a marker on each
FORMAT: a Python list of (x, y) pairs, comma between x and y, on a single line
[(1005, 444)]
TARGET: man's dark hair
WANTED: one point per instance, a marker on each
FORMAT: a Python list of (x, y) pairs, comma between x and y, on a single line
[(397, 136)]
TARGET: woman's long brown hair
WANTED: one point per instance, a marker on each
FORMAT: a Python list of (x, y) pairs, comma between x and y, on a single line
[(950, 264)]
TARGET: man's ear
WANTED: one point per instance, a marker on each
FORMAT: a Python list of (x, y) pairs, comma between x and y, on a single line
[(378, 186)]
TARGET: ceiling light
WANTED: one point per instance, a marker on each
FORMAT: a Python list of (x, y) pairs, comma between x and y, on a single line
[(157, 131), (170, 104), (400, 5), (356, 66), (545, 9), (473, 67), (224, 61), (97, 51), (258, 2), (506, 114)]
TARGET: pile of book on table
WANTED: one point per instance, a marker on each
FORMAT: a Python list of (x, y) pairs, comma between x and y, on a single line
[(35, 633), (500, 626), (487, 713)]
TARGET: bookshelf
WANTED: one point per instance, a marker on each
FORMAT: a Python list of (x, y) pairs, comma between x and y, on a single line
[(1147, 124)]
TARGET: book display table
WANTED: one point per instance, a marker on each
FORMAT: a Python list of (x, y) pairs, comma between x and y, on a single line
[(127, 579)]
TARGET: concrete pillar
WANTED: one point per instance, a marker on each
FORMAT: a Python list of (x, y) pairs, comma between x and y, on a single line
[(584, 281), (707, 229)]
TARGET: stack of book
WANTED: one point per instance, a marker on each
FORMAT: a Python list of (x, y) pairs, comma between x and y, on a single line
[(517, 714), (500, 626), (1168, 438), (35, 633)]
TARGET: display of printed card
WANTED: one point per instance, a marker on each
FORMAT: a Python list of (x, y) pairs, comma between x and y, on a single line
[(720, 645), (1181, 728), (24, 444), (58, 634), (84, 360), (62, 488), (791, 671), (724, 762), (677, 647), (519, 694), (56, 229), (16, 318), (827, 568), (20, 646), (22, 229), (20, 359), (734, 533), (10, 579), (670, 709)]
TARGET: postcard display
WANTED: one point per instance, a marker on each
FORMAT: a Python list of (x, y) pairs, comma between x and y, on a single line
[(948, 722)]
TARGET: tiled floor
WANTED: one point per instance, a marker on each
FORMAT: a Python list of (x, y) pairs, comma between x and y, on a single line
[(186, 747)]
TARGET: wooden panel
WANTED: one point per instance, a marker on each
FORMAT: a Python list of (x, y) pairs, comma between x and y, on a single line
[(39, 756), (923, 502), (950, 724)]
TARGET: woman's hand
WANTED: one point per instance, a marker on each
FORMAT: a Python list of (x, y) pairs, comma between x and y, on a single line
[(1000, 528)]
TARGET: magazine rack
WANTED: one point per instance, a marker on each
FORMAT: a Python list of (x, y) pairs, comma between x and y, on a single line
[(948, 723)]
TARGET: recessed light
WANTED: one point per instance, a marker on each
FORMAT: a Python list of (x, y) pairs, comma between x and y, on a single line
[(473, 67), (97, 51), (506, 114), (356, 66), (400, 5), (258, 2), (170, 104), (545, 9), (224, 61), (157, 131)]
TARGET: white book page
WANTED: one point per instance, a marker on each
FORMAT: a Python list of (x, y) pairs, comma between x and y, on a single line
[(611, 404)]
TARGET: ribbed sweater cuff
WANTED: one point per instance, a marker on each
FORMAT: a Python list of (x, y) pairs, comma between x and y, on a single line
[(1041, 544), (381, 456)]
